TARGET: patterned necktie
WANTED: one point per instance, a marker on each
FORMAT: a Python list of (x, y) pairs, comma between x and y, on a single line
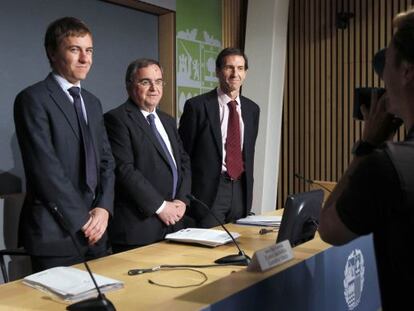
[(151, 120), (89, 151), (234, 158)]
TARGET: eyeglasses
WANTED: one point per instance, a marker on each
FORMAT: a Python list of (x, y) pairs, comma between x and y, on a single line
[(147, 83)]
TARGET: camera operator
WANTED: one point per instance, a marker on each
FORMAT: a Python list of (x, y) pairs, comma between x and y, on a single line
[(376, 193)]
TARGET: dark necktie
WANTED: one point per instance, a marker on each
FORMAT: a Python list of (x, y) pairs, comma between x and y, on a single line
[(89, 151), (151, 120), (234, 158)]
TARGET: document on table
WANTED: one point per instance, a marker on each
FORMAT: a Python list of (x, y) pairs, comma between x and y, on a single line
[(70, 284), (209, 237), (266, 221)]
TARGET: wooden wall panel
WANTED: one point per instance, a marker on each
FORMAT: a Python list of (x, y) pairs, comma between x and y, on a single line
[(234, 23), (324, 66)]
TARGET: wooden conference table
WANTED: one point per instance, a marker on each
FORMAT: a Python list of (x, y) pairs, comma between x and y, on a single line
[(138, 294)]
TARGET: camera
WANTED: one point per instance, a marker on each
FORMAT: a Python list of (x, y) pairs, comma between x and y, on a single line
[(363, 97)]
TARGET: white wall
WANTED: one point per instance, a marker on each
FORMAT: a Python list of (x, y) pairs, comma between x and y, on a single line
[(266, 40)]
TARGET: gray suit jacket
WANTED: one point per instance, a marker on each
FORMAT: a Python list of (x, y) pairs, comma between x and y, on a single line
[(49, 139)]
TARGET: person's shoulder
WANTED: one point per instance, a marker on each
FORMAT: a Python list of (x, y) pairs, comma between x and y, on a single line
[(38, 87), (37, 92), (377, 155), (377, 163), (248, 102), (118, 111)]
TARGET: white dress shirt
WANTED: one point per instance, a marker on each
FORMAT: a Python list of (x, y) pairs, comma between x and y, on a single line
[(164, 136)]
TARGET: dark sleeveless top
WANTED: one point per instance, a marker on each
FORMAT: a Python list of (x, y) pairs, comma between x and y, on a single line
[(380, 200)]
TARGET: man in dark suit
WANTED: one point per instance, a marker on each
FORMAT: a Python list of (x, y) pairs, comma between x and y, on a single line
[(152, 169), (219, 131), (66, 154)]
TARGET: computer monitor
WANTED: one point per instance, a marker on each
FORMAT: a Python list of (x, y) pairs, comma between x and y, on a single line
[(300, 217)]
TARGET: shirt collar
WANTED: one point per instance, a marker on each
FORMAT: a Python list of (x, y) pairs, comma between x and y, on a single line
[(63, 83), (224, 99), (146, 113)]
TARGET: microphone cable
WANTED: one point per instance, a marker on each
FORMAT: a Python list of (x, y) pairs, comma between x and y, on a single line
[(161, 267), (310, 181), (204, 278), (177, 267)]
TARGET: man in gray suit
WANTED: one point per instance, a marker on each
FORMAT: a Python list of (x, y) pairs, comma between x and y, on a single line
[(66, 154)]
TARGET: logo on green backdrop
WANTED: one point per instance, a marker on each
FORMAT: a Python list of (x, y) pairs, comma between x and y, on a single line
[(198, 41), (196, 66)]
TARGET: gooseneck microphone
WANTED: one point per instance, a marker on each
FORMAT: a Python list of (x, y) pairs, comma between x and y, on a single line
[(310, 181), (240, 259), (98, 303)]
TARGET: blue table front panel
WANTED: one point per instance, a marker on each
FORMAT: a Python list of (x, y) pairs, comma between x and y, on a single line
[(340, 278)]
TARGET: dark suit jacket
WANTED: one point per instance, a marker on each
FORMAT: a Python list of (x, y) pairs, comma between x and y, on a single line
[(143, 175), (48, 134), (201, 135)]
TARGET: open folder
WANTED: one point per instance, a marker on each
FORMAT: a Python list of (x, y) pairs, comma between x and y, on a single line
[(266, 221), (208, 237), (70, 284)]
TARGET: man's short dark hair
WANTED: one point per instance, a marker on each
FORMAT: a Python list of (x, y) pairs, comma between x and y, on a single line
[(230, 51), (137, 64), (403, 38), (62, 28)]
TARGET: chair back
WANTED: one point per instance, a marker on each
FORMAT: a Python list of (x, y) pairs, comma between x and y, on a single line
[(10, 208)]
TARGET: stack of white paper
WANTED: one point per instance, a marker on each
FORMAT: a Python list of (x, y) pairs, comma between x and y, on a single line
[(207, 237), (70, 284), (266, 221)]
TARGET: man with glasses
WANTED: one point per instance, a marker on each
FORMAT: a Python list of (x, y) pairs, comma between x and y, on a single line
[(152, 169)]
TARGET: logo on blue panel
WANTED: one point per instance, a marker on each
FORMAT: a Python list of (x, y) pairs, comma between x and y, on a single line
[(354, 278)]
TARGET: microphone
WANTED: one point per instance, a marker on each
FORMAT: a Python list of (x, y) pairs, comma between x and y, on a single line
[(98, 303), (240, 259), (310, 181)]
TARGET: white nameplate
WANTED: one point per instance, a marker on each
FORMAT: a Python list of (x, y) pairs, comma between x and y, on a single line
[(271, 256)]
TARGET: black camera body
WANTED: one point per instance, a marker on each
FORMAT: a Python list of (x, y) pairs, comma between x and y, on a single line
[(363, 97)]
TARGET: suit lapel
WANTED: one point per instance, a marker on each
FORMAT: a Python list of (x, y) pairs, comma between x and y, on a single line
[(173, 141), (248, 122), (139, 119), (213, 114), (92, 114), (63, 102), (94, 117)]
